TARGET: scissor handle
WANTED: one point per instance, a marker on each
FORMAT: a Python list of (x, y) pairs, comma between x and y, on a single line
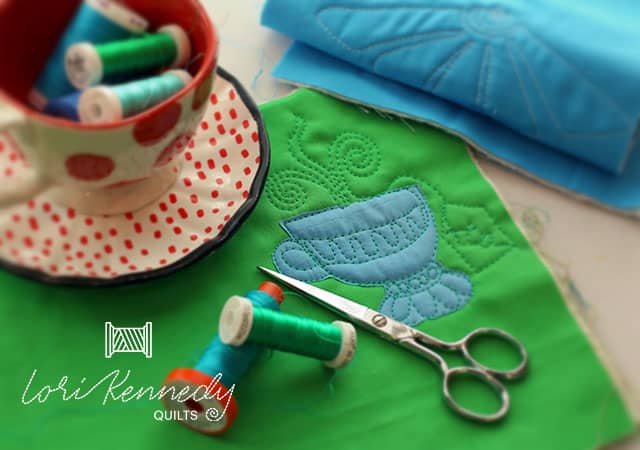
[(481, 374), (511, 374)]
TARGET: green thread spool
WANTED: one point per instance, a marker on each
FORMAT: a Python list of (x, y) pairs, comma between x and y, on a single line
[(241, 322), (88, 65), (104, 104)]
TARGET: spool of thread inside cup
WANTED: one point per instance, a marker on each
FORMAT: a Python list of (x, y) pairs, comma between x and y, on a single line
[(104, 104), (241, 324), (64, 107), (231, 362), (95, 21), (88, 65)]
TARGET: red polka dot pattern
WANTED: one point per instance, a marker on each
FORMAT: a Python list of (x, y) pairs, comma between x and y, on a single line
[(156, 127), (173, 149), (86, 167), (212, 186)]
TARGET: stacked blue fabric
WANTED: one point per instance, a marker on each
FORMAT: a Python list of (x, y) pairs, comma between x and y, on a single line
[(552, 88)]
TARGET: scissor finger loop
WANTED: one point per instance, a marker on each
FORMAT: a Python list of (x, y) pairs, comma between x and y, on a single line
[(422, 344), (511, 374), (485, 377)]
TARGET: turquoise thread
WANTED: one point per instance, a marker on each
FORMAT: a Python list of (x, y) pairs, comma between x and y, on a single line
[(370, 53), (521, 86), (345, 8), (442, 70), (233, 362), (141, 95), (88, 24)]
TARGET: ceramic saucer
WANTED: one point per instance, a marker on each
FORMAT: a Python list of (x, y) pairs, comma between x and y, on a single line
[(221, 176)]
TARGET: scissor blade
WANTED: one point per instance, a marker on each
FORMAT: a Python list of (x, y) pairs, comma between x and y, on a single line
[(339, 305)]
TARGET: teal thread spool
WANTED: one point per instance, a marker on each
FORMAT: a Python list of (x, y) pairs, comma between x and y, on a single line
[(95, 21), (104, 104), (218, 358), (88, 65), (241, 323)]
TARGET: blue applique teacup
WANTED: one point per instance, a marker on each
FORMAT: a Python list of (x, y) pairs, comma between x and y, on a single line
[(390, 241)]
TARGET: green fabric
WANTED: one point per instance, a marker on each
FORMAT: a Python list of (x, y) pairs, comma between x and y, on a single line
[(387, 397)]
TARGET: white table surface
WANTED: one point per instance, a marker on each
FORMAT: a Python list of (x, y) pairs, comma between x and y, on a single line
[(595, 254)]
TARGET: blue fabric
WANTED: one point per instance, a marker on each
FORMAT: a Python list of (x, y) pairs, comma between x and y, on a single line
[(389, 240), (563, 106)]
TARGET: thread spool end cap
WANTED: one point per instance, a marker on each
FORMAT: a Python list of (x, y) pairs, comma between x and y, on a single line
[(273, 290), (236, 321), (183, 44), (347, 348), (99, 105), (207, 397), (120, 14), (183, 75), (83, 65)]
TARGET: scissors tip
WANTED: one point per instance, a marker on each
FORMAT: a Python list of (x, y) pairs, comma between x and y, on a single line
[(271, 273)]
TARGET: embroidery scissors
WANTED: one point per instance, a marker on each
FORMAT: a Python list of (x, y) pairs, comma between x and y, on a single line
[(423, 345)]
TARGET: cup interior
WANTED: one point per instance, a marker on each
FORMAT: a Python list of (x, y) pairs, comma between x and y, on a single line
[(30, 29)]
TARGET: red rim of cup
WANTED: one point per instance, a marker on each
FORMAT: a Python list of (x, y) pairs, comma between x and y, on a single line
[(208, 66)]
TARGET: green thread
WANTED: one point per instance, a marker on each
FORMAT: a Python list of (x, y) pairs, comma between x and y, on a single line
[(350, 155), (287, 191), (152, 51), (298, 151), (454, 237), (295, 334), (452, 234)]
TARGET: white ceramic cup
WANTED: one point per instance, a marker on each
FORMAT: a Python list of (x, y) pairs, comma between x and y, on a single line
[(118, 167)]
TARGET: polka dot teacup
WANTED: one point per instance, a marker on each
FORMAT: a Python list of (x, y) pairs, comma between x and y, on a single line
[(98, 169)]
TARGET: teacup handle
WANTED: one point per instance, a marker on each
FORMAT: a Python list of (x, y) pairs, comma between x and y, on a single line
[(30, 184)]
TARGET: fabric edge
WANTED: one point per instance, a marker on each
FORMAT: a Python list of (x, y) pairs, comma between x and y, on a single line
[(619, 380), (632, 405), (632, 213)]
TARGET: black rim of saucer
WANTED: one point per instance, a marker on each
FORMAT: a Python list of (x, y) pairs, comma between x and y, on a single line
[(203, 250)]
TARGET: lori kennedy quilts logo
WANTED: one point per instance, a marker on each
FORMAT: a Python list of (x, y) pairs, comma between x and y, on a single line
[(114, 386), (128, 340)]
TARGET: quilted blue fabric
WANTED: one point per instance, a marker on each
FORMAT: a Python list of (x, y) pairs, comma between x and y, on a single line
[(389, 240), (526, 81)]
